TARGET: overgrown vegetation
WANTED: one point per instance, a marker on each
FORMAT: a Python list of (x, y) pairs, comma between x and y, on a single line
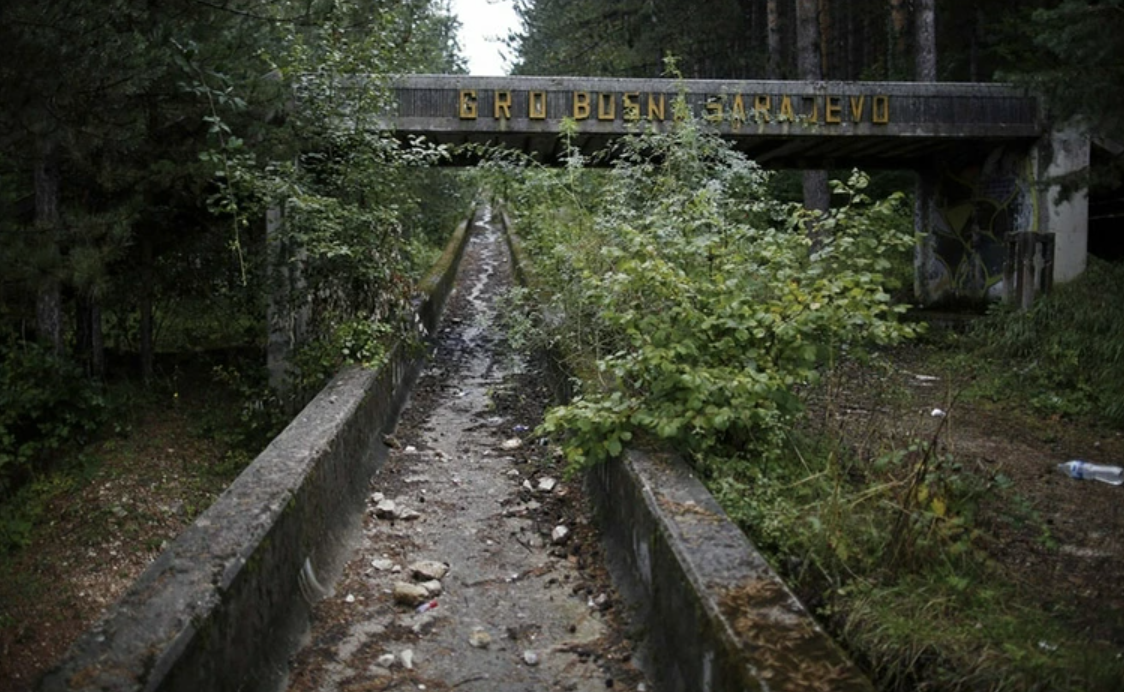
[(145, 147), (1064, 356), (699, 313)]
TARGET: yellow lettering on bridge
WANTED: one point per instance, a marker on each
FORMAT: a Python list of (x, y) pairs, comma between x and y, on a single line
[(717, 109), (468, 104)]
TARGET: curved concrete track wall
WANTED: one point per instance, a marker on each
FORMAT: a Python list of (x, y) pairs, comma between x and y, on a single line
[(221, 608)]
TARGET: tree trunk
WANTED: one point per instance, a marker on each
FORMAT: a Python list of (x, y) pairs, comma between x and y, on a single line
[(773, 23), (974, 49), (816, 195), (146, 299), (48, 302), (899, 21), (825, 37), (89, 336), (925, 28), (808, 40)]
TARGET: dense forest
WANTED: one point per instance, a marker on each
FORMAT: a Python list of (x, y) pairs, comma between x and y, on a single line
[(1067, 49), (142, 145)]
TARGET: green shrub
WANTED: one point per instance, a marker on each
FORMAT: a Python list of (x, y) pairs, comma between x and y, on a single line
[(47, 407), (700, 303)]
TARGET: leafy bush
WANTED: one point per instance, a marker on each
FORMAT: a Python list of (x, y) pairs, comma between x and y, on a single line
[(696, 304), (47, 406)]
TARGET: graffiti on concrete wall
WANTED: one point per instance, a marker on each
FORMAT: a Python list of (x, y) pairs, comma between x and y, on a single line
[(977, 205)]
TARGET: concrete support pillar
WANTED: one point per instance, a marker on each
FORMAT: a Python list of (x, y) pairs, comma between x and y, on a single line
[(928, 270), (1061, 158)]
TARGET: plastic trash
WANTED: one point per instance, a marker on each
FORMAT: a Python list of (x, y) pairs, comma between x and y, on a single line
[(429, 605), (1083, 470)]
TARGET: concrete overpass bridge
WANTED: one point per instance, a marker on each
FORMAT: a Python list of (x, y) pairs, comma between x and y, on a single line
[(986, 156)]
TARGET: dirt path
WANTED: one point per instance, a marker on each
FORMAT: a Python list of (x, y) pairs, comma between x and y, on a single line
[(525, 603)]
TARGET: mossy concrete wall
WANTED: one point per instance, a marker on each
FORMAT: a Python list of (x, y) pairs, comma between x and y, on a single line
[(222, 608), (716, 616)]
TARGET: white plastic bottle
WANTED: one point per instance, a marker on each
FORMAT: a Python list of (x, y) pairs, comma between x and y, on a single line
[(1083, 470)]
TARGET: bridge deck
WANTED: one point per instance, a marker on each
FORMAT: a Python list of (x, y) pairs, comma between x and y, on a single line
[(778, 123)]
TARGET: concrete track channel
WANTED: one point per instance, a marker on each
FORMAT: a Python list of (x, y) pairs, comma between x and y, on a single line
[(470, 520)]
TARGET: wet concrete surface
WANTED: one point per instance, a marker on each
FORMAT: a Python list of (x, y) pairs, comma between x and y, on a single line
[(522, 607)]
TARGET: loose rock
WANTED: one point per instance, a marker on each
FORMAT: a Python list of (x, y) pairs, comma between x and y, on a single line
[(386, 660), (560, 535), (382, 565), (427, 570), (547, 484), (407, 659), (433, 587), (479, 639), (513, 443), (531, 658), (386, 509), (409, 594)]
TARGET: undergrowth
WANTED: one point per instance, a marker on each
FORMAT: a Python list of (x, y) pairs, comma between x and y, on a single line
[(697, 313), (1063, 356)]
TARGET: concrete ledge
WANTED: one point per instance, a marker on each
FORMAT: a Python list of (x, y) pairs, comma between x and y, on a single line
[(717, 617), (221, 609)]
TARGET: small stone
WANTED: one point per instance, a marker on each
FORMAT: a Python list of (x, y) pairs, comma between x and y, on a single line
[(379, 672), (386, 509), (426, 570), (407, 657), (479, 639), (531, 658), (408, 515), (513, 443), (382, 564), (350, 598), (641, 688), (433, 587), (601, 602), (547, 484), (513, 473), (533, 506), (409, 594), (386, 660), (527, 485), (424, 623), (377, 497), (560, 535), (410, 449)]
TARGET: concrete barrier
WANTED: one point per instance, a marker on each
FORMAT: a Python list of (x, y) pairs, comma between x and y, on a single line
[(715, 616), (222, 608)]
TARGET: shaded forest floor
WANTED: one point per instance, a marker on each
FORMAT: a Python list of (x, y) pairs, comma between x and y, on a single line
[(98, 528)]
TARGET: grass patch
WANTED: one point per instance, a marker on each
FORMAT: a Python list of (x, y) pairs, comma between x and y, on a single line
[(1062, 357)]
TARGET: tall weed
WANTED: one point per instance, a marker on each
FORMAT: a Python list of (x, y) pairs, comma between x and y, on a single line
[(1065, 353)]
